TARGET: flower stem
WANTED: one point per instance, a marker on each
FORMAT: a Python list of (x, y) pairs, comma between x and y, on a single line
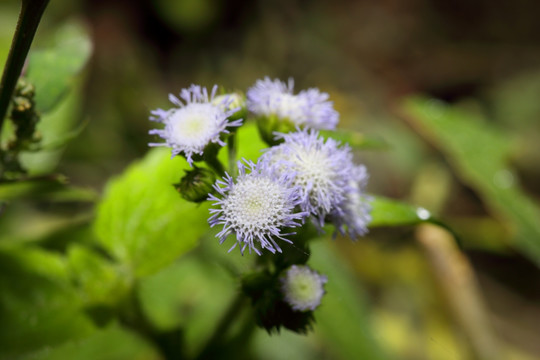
[(231, 144), (226, 321), (29, 17), (215, 165)]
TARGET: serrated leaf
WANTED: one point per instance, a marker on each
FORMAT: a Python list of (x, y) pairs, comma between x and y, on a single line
[(479, 152), (142, 221)]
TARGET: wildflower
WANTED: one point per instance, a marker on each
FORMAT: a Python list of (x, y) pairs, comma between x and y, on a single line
[(353, 214), (255, 207), (195, 123), (302, 287), (309, 108), (321, 170)]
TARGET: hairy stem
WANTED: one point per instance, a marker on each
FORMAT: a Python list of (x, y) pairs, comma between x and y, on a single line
[(29, 17), (231, 144), (215, 165)]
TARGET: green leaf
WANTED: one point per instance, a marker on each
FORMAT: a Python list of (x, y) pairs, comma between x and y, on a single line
[(38, 307), (388, 212), (98, 280), (113, 343), (142, 221), (343, 317), (52, 70), (193, 294), (355, 139), (479, 152)]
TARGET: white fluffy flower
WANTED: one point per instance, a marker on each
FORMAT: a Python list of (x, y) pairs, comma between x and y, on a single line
[(320, 170), (310, 108), (255, 207), (194, 123)]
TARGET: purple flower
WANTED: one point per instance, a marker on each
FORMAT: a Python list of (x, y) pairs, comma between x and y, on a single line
[(353, 215), (320, 170), (309, 108), (302, 287), (195, 123), (255, 207), (330, 185)]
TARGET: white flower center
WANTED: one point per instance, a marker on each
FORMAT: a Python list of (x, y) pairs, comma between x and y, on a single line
[(194, 125), (315, 173), (289, 106), (255, 204)]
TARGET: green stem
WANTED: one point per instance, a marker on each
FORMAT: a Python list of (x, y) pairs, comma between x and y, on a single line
[(215, 164), (231, 144), (29, 17), (221, 330)]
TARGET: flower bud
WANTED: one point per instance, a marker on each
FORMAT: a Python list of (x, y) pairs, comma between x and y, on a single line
[(196, 184), (302, 287), (271, 310), (232, 101), (270, 124)]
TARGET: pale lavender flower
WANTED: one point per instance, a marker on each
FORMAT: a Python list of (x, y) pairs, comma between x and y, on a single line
[(302, 287), (309, 108), (320, 169), (195, 123), (353, 215), (255, 207)]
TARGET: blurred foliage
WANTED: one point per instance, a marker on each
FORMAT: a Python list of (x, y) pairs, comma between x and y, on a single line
[(479, 154), (52, 69), (74, 281), (38, 306)]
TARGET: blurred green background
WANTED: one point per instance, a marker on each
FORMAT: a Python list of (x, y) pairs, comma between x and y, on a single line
[(477, 167)]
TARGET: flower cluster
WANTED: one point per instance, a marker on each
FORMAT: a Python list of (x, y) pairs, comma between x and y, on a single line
[(315, 175), (309, 108), (303, 176)]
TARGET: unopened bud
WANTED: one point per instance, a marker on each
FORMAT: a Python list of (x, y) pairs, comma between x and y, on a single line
[(232, 101), (196, 184), (270, 124), (302, 287)]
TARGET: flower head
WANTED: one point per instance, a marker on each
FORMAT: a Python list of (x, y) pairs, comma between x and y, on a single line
[(255, 207), (320, 170), (309, 108), (353, 214), (302, 287), (195, 123)]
